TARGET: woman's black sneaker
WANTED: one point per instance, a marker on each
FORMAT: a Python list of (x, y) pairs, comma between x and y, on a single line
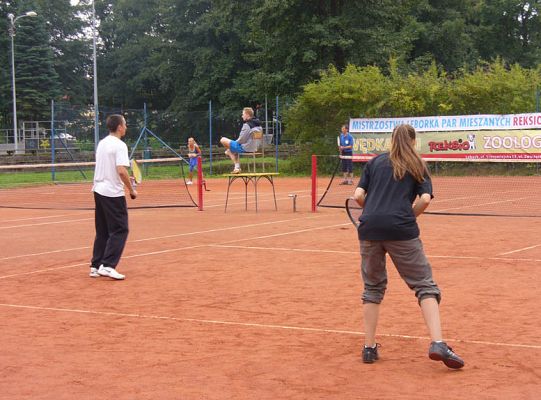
[(439, 351), (370, 354)]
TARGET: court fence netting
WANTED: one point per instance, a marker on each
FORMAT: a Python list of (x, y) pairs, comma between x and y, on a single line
[(471, 188), (68, 185)]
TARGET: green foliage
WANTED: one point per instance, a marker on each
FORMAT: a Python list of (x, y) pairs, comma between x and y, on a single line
[(49, 56), (444, 31), (5, 68), (176, 55), (511, 30), (365, 92), (71, 49), (301, 163), (37, 82), (129, 61), (493, 88), (324, 105), (416, 94)]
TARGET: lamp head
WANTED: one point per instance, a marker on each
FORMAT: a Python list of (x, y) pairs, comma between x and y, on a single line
[(31, 14)]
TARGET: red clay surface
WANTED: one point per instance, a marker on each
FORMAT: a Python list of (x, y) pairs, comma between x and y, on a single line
[(240, 305)]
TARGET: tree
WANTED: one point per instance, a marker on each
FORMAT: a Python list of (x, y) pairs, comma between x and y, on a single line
[(37, 81), (295, 41), (208, 43), (176, 55), (5, 65), (510, 30), (51, 58), (495, 88), (445, 32), (71, 47), (132, 51), (368, 92)]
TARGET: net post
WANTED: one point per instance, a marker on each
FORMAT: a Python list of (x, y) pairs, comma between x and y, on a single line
[(200, 183), (314, 182), (53, 172), (210, 137)]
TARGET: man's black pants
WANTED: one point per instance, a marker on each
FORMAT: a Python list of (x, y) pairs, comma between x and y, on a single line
[(111, 220)]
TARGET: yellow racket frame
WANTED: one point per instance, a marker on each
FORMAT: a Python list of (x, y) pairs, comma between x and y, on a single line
[(136, 171)]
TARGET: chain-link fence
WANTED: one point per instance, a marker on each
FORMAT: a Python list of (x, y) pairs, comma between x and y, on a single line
[(71, 131), (172, 128)]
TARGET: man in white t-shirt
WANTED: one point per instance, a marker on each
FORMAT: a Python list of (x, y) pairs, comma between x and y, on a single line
[(111, 215)]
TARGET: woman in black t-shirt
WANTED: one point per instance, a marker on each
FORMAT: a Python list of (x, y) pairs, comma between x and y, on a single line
[(388, 188)]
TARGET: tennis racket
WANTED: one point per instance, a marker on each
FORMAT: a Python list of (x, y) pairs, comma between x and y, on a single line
[(354, 211), (136, 172)]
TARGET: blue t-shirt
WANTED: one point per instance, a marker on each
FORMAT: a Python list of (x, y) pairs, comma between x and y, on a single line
[(346, 140), (388, 212)]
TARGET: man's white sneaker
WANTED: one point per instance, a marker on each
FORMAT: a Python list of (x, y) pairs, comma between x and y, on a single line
[(93, 272), (189, 183), (110, 272)]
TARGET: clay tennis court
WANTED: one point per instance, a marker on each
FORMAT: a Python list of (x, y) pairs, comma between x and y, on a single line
[(240, 305)]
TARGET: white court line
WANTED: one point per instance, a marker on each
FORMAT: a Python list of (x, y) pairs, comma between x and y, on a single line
[(240, 194), (262, 326), (228, 228), (231, 203), (68, 221), (92, 218), (481, 204), (168, 236), (259, 248), (357, 253), (251, 200), (34, 218), (88, 263), (283, 249), (156, 252), (286, 233), (518, 250), (470, 197), (45, 252), (47, 270)]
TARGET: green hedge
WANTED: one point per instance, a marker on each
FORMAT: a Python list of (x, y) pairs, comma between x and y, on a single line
[(369, 92), (324, 105)]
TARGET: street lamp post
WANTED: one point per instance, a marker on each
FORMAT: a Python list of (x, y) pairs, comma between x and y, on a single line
[(12, 20), (95, 68), (96, 114)]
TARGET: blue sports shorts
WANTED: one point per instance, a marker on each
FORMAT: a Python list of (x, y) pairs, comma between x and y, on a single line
[(235, 147), (193, 164)]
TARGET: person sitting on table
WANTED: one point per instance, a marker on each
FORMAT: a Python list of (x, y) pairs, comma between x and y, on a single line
[(246, 142)]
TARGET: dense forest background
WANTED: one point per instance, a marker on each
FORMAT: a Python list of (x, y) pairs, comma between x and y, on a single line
[(177, 55)]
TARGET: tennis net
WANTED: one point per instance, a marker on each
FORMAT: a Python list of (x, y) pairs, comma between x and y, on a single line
[(476, 188), (69, 185)]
